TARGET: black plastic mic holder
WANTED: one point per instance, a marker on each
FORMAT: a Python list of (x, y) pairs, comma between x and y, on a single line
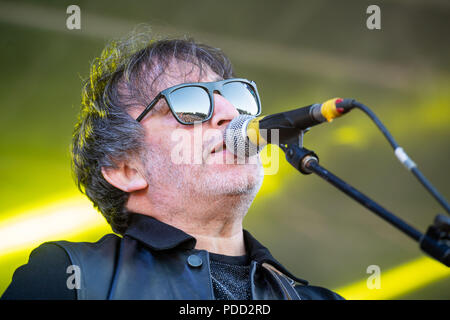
[(436, 242)]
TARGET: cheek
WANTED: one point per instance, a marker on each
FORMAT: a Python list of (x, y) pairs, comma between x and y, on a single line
[(160, 144), (159, 130)]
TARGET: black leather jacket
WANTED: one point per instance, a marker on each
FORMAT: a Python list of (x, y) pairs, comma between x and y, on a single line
[(154, 260)]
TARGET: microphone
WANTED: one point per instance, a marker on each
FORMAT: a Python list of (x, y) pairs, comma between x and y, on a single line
[(246, 135)]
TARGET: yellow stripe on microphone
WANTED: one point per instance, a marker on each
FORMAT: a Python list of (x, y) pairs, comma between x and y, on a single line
[(253, 132), (329, 110)]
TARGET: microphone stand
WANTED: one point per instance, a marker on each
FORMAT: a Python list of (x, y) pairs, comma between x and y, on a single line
[(436, 241)]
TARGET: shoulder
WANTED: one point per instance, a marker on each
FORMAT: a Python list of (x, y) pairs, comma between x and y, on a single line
[(43, 277), (89, 255), (47, 272), (95, 262), (109, 242), (309, 292)]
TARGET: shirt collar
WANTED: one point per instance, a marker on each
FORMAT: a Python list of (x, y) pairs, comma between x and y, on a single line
[(160, 236)]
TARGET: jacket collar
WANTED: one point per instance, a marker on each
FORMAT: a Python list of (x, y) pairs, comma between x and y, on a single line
[(261, 254), (160, 236), (156, 234)]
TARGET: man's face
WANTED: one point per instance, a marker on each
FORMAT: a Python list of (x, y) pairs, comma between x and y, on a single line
[(202, 171)]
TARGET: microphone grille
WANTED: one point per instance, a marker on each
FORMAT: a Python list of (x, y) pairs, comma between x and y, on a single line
[(236, 138)]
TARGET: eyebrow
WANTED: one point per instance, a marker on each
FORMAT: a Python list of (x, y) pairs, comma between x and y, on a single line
[(217, 78), (158, 107)]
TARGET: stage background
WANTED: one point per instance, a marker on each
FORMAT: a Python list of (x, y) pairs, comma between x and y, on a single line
[(298, 52)]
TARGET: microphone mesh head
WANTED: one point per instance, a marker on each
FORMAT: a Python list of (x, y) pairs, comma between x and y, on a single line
[(236, 138)]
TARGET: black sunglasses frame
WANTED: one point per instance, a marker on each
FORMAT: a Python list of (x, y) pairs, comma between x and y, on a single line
[(210, 88)]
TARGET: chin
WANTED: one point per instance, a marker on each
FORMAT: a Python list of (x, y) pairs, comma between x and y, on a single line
[(233, 179)]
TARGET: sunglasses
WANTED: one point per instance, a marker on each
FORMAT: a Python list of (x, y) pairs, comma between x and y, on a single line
[(194, 102)]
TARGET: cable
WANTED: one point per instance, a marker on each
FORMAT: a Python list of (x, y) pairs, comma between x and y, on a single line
[(402, 156)]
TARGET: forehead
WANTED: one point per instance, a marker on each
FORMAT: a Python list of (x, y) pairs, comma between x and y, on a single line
[(178, 72)]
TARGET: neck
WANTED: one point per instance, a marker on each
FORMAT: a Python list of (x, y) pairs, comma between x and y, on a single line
[(230, 246), (216, 222)]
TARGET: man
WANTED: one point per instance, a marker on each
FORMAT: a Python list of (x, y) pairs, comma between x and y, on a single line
[(178, 212)]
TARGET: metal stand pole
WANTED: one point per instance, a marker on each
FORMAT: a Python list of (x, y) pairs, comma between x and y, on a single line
[(435, 242)]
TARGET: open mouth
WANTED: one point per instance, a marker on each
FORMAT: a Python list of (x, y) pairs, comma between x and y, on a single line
[(221, 155), (219, 148)]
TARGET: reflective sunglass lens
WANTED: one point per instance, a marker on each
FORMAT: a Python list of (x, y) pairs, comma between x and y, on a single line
[(191, 104), (242, 96)]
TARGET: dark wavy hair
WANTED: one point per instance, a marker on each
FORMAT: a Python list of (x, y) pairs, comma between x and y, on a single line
[(123, 77)]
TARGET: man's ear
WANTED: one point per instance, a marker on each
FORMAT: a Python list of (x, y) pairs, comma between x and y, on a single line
[(125, 177)]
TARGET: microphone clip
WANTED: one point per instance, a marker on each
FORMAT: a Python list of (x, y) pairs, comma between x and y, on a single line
[(436, 241), (300, 157)]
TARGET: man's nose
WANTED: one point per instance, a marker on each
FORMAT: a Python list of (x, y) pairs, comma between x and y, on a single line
[(224, 111)]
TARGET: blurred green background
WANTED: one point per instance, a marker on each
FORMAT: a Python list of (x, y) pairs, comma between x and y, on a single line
[(298, 52)]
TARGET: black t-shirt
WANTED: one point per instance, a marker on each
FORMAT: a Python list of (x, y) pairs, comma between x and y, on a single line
[(230, 277)]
